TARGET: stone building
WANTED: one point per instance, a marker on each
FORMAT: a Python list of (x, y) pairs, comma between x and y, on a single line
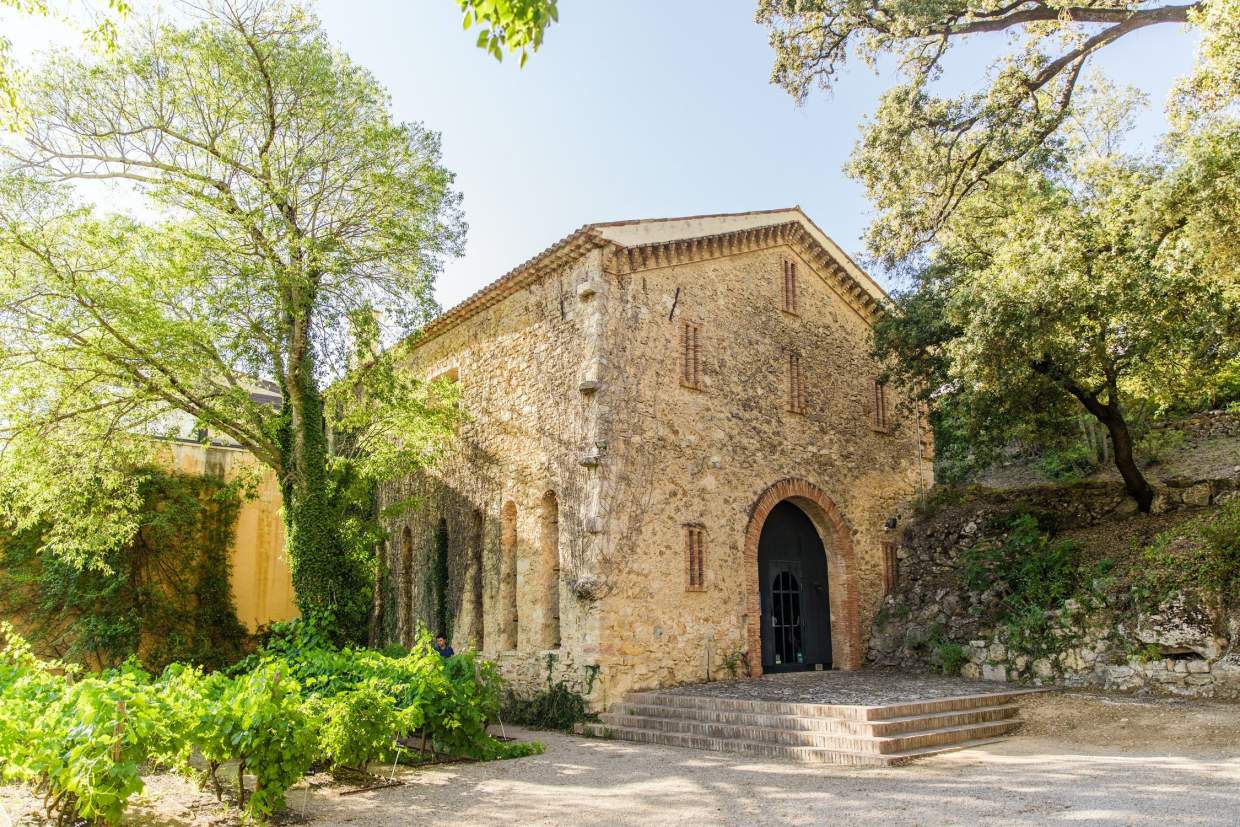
[(678, 462)]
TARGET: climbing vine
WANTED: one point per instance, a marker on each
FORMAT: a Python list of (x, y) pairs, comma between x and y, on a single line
[(165, 594)]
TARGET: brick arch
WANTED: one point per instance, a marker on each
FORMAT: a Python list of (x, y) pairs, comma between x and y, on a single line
[(841, 569)]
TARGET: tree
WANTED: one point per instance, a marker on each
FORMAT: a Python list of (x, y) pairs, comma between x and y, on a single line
[(515, 25), (1074, 286), (283, 215), (923, 154), (101, 29)]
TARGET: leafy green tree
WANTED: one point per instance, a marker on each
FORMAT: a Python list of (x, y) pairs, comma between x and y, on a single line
[(284, 218), (515, 25), (100, 29), (925, 153), (1065, 288)]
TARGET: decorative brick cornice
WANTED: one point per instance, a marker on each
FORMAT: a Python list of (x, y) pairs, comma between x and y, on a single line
[(558, 255), (623, 259), (634, 258)]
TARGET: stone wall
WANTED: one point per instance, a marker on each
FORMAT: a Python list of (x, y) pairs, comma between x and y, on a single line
[(1188, 646), (526, 423), (681, 456), (572, 384)]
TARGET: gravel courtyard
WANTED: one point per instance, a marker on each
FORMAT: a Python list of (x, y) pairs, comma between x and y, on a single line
[(1083, 759)]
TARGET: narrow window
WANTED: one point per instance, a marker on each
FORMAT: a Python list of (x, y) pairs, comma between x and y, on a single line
[(790, 287), (695, 558), (477, 631), (508, 617), (550, 543), (443, 617), (796, 385), (881, 422), (691, 355), (891, 568), (405, 632)]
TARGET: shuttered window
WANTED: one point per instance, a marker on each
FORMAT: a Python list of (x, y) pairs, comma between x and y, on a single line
[(691, 355), (790, 286), (695, 558)]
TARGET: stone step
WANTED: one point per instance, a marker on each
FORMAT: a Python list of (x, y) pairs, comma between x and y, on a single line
[(846, 742), (842, 726), (761, 749), (812, 710)]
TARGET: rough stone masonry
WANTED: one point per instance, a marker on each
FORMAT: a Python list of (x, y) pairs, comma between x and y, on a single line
[(638, 397)]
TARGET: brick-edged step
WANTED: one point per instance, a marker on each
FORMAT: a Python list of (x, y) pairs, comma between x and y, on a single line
[(849, 742), (809, 732), (841, 726), (756, 749), (812, 710), (781, 752)]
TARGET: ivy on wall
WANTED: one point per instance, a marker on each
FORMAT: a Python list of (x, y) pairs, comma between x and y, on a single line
[(165, 596)]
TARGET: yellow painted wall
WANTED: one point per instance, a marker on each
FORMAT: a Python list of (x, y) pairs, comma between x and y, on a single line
[(262, 585)]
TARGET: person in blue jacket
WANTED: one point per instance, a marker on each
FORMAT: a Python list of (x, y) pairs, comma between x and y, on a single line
[(441, 646)]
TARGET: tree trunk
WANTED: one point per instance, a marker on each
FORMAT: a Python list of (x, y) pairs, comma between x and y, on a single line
[(1112, 417), (1135, 482), (311, 523), (310, 516)]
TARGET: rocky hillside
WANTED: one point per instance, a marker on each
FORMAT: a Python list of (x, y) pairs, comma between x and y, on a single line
[(1067, 585)]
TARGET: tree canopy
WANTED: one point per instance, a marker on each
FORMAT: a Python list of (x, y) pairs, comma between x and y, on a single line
[(1082, 285), (512, 25), (926, 151), (284, 217), (100, 28)]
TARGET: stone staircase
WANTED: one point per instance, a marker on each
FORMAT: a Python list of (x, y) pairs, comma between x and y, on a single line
[(856, 735)]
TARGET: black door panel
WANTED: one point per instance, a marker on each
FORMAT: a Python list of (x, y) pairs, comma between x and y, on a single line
[(792, 574)]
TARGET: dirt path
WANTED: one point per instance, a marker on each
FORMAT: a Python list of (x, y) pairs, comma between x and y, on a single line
[(1082, 759)]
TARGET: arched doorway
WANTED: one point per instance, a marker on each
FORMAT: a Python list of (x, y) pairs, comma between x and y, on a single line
[(794, 592), (835, 546)]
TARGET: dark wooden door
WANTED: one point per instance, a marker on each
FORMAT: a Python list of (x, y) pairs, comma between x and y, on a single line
[(792, 574)]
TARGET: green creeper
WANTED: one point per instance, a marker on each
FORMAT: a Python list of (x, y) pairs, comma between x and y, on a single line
[(285, 228)]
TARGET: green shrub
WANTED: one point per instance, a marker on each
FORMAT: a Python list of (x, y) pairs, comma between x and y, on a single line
[(556, 707), (951, 657), (1201, 555), (358, 726), (1033, 576), (84, 742), (1068, 463), (1159, 442)]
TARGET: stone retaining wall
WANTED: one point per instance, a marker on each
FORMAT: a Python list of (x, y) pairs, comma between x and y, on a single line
[(1188, 647)]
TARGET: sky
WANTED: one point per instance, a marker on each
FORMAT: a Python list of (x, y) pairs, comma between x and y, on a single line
[(638, 109)]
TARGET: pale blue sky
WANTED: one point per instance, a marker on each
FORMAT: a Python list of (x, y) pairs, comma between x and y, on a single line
[(642, 108), (634, 109)]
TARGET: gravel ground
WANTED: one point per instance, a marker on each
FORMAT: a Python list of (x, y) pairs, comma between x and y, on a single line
[(1085, 760), (1022, 781), (868, 687)]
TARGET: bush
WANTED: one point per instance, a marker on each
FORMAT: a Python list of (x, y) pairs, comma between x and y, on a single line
[(81, 743), (1202, 554), (358, 726), (1033, 575), (1068, 463), (84, 742), (556, 707), (951, 657)]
